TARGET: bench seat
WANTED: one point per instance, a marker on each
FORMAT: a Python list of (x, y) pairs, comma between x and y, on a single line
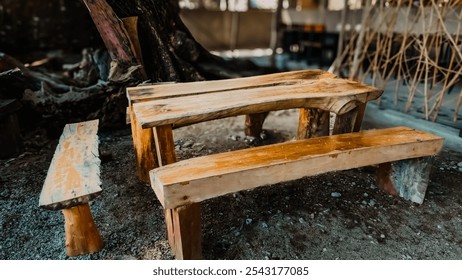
[(197, 179), (403, 156), (73, 179)]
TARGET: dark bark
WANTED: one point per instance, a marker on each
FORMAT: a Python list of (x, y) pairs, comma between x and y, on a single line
[(170, 52)]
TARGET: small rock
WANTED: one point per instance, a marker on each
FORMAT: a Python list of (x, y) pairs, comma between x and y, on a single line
[(312, 215), (439, 226), (459, 164), (198, 147), (264, 225), (372, 203), (382, 236), (188, 144), (301, 220), (365, 194), (263, 135), (248, 221), (336, 194), (235, 137)]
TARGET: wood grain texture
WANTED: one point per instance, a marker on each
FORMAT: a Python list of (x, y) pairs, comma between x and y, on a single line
[(198, 179), (73, 176), (169, 90), (82, 235), (313, 123), (406, 178), (145, 148), (187, 227), (329, 94), (345, 122)]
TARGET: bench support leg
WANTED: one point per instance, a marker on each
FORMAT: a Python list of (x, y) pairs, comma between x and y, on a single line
[(254, 124), (82, 235), (346, 122), (145, 151), (188, 232), (313, 123), (183, 223), (406, 178)]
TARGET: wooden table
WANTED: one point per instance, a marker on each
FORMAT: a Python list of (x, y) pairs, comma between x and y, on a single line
[(156, 109)]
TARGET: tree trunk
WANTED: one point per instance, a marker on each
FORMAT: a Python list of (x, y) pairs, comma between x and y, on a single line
[(169, 50)]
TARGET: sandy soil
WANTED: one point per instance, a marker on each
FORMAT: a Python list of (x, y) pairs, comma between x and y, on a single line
[(332, 216)]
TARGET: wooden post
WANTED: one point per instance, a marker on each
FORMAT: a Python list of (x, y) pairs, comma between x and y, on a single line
[(254, 124), (346, 122), (187, 228), (406, 178), (82, 235), (313, 123), (145, 150), (183, 223)]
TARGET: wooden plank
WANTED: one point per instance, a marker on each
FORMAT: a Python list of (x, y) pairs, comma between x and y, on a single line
[(73, 175), (197, 179), (332, 95), (168, 90)]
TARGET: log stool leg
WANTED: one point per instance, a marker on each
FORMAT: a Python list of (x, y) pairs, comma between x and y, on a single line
[(254, 124), (406, 178), (313, 123), (82, 235)]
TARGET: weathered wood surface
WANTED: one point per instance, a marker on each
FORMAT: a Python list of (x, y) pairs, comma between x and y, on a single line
[(198, 179), (82, 235), (406, 178), (330, 94), (169, 90), (145, 148), (73, 176), (313, 123)]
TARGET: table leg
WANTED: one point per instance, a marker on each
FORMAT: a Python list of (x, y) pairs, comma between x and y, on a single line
[(313, 123), (346, 122), (183, 223), (145, 150), (254, 124)]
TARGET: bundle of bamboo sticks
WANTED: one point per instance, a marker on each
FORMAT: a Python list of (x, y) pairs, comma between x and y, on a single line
[(417, 42)]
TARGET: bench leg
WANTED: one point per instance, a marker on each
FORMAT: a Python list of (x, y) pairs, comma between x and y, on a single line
[(82, 235), (313, 123), (406, 178), (183, 223), (145, 151), (187, 232), (254, 124)]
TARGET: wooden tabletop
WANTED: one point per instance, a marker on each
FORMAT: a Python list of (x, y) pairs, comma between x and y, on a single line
[(193, 102)]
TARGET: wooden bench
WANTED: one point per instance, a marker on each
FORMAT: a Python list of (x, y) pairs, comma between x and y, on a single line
[(72, 181), (402, 155)]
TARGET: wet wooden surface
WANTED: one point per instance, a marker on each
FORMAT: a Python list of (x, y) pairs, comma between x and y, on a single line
[(205, 177)]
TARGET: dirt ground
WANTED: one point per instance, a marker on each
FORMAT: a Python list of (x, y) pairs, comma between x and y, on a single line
[(332, 216)]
